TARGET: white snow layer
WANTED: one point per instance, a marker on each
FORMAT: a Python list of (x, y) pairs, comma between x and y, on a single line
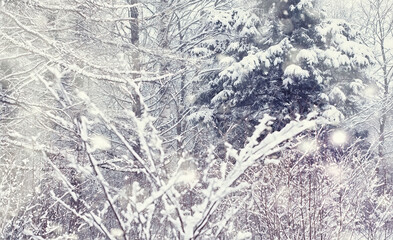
[(296, 71)]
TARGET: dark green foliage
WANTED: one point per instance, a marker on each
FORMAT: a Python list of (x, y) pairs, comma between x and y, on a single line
[(297, 64)]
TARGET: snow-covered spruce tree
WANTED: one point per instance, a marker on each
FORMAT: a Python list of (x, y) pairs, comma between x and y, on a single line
[(288, 61)]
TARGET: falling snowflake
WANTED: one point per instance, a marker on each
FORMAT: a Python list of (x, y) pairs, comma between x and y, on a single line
[(339, 137)]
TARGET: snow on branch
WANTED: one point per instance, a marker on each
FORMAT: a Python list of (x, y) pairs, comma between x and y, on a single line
[(253, 152)]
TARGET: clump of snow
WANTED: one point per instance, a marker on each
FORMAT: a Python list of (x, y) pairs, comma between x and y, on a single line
[(286, 82), (307, 55), (189, 177), (296, 71), (225, 61), (333, 115), (190, 99), (273, 161), (116, 232), (222, 96), (243, 235), (205, 115), (357, 86), (324, 97), (233, 46), (337, 95), (360, 61), (99, 142), (277, 50), (331, 58)]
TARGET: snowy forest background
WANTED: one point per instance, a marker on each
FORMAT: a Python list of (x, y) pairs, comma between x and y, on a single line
[(196, 119)]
